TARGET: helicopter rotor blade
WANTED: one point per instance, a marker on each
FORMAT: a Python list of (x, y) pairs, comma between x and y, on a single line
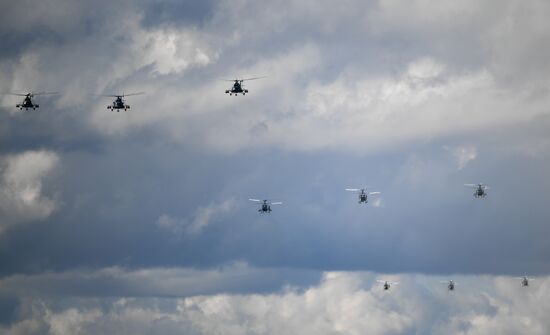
[(374, 193), (17, 94), (276, 203), (255, 200), (108, 95), (352, 189), (45, 93), (254, 78), (128, 95), (470, 185)]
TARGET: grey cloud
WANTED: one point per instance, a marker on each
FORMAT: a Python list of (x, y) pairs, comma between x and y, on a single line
[(21, 179), (178, 12), (154, 282), (202, 218)]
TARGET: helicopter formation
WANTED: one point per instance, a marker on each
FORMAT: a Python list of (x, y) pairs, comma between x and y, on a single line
[(363, 196), (480, 190), (386, 285), (27, 103), (119, 103)]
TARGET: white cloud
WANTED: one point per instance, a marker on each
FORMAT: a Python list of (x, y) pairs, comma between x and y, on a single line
[(318, 95), (105, 59), (342, 303), (201, 219), (21, 180), (71, 321), (205, 215), (463, 155), (354, 113)]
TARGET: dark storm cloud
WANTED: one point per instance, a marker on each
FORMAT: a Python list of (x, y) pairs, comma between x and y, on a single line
[(427, 220), (8, 308), (46, 128)]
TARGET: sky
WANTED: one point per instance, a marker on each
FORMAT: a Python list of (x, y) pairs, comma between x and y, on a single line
[(139, 222)]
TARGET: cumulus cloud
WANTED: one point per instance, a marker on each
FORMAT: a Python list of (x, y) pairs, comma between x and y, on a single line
[(463, 155), (362, 95), (22, 177), (425, 96), (202, 218), (341, 303)]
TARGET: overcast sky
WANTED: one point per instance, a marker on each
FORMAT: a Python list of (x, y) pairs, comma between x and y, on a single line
[(138, 222)]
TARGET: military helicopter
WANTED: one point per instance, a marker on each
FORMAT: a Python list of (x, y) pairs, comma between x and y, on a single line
[(265, 205), (27, 101), (119, 103), (481, 190), (387, 284), (450, 284), (362, 194), (524, 281), (238, 87)]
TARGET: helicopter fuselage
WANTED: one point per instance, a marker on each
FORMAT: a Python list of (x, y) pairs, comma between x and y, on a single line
[(480, 192), (27, 103), (118, 104), (265, 208), (237, 89)]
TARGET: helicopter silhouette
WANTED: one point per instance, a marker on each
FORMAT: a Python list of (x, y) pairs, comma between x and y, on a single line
[(362, 194), (450, 284), (119, 103), (480, 189), (27, 100), (265, 206), (387, 284), (524, 281), (238, 86)]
